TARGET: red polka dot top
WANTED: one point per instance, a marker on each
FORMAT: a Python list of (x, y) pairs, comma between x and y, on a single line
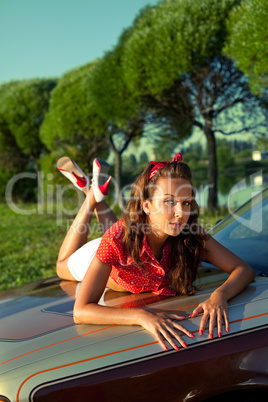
[(149, 278)]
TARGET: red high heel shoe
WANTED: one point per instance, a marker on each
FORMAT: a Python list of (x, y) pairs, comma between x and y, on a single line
[(100, 182), (73, 172)]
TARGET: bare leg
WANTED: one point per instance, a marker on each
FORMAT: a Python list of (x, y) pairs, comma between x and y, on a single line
[(77, 235), (106, 217)]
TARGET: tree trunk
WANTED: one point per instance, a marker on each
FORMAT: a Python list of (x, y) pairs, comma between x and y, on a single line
[(95, 148), (212, 168), (117, 174)]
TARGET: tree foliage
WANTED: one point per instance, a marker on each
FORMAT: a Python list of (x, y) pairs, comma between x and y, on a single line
[(171, 38), (247, 42), (108, 90), (8, 144), (186, 68), (23, 106), (117, 104), (223, 104), (225, 159), (262, 142), (72, 124)]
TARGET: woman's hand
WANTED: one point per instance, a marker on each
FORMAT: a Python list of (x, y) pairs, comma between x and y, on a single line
[(164, 327), (215, 310)]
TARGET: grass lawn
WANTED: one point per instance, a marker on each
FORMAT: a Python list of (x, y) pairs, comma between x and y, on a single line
[(28, 247), (29, 243)]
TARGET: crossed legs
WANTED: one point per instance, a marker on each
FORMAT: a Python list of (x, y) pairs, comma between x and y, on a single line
[(77, 235)]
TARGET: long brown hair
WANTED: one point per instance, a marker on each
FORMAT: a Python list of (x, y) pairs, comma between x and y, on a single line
[(187, 249)]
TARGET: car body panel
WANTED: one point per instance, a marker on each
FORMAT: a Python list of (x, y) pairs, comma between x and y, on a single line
[(52, 348)]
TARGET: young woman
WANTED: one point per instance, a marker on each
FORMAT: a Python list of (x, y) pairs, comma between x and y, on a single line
[(156, 247)]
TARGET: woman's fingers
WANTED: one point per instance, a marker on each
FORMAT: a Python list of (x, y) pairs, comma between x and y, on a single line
[(215, 317), (226, 320), (169, 332), (176, 316), (178, 326), (197, 310), (203, 322), (162, 335), (220, 321), (168, 329), (160, 339), (170, 336), (182, 329), (163, 327), (212, 322)]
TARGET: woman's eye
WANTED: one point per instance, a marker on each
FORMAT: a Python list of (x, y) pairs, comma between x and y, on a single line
[(187, 203), (170, 202)]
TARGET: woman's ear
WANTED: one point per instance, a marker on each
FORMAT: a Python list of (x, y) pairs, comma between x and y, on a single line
[(145, 207)]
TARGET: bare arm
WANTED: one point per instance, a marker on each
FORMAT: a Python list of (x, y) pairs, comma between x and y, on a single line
[(241, 274), (87, 311)]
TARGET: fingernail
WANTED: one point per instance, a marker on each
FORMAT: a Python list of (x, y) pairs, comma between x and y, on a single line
[(192, 335), (201, 332), (184, 345), (166, 348), (190, 316), (219, 334), (176, 347), (211, 336)]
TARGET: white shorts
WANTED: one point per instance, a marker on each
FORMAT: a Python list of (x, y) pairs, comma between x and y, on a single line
[(80, 260)]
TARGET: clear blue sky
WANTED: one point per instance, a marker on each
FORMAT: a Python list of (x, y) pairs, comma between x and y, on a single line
[(45, 38)]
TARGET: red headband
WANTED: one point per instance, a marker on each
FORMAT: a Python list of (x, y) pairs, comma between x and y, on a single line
[(159, 165)]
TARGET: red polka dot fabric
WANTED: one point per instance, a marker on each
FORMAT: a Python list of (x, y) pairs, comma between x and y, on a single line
[(136, 279)]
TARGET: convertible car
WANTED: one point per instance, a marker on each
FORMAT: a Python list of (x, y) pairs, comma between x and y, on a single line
[(45, 357)]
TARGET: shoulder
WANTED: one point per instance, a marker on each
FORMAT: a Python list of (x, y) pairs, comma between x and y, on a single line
[(115, 232), (201, 231), (110, 247)]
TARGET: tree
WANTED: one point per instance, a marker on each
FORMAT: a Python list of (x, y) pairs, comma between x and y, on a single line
[(144, 158), (72, 124), (185, 35), (12, 160), (223, 104), (262, 143), (23, 106), (117, 105), (226, 160), (188, 38), (130, 162), (171, 114), (10, 154), (247, 42)]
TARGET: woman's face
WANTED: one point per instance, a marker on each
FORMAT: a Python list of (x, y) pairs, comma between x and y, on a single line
[(170, 207)]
